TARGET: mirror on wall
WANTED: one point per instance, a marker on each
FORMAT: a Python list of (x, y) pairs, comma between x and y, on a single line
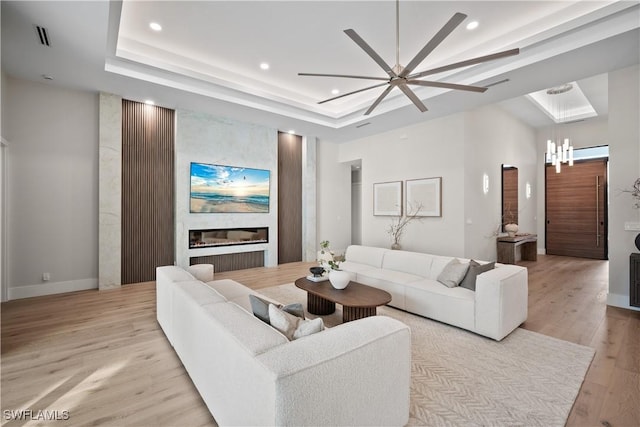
[(509, 195)]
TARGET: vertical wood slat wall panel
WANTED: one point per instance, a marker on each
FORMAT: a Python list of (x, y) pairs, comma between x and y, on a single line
[(289, 198), (147, 190), (231, 262)]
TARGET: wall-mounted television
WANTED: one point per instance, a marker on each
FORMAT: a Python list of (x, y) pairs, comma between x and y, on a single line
[(228, 189)]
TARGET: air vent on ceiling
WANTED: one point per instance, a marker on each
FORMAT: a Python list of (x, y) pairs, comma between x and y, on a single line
[(363, 124), (43, 35)]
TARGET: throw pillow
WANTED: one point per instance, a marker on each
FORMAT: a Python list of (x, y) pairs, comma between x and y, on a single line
[(291, 326), (260, 308), (475, 268), (453, 273)]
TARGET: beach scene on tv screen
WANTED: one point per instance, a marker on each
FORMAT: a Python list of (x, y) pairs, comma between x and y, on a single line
[(224, 189)]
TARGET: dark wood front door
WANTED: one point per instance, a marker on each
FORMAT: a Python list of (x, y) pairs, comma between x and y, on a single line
[(576, 210)]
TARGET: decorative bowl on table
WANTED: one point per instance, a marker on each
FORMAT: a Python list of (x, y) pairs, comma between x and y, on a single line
[(317, 271)]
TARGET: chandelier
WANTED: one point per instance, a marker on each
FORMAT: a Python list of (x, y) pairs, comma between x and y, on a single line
[(559, 150)]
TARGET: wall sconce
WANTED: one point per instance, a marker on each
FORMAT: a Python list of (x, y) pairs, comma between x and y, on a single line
[(485, 183), (527, 190)]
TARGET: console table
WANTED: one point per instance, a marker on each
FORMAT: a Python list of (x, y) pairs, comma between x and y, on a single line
[(507, 247)]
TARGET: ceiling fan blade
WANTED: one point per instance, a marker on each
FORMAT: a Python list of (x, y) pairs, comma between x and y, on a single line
[(447, 85), (433, 43), (377, 101), (413, 97), (351, 93), (461, 64), (346, 76), (369, 50)]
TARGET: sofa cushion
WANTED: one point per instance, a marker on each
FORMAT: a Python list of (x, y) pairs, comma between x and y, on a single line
[(199, 292), (437, 265), (253, 334), (260, 308), (293, 327), (176, 274), (365, 255), (230, 289), (202, 272), (354, 267), (453, 273), (475, 268), (388, 280), (408, 262), (429, 298)]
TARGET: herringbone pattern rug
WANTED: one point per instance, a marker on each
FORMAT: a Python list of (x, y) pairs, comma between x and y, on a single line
[(462, 379)]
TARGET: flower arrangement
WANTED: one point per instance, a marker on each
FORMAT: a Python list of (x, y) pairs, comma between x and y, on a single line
[(398, 224)]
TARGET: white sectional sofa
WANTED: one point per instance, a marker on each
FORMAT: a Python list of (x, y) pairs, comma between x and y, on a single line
[(248, 373), (497, 307)]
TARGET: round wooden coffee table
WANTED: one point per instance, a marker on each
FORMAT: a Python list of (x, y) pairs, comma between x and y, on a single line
[(357, 300)]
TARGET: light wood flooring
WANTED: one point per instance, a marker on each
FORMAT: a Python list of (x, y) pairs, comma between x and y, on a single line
[(101, 355)]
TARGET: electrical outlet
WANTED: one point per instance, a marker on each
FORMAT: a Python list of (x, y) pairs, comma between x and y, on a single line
[(46, 277), (632, 226)]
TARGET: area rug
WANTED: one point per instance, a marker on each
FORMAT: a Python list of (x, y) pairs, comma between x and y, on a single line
[(462, 379)]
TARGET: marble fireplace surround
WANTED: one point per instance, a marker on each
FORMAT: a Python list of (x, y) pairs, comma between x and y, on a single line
[(207, 139)]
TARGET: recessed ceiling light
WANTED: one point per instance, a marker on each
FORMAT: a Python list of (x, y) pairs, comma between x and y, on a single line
[(264, 66), (472, 25), (291, 132), (149, 102), (155, 26), (335, 91)]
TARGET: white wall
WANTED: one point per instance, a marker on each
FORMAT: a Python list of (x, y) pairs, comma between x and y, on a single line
[(430, 149), (203, 138), (52, 188), (492, 138), (334, 198), (624, 169), (459, 148)]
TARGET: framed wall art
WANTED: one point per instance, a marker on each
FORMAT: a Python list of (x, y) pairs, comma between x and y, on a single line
[(426, 193), (387, 198)]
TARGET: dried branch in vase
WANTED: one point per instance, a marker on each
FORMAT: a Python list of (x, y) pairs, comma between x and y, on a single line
[(398, 224)]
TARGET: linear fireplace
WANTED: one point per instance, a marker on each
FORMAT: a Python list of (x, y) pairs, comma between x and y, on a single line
[(217, 237)]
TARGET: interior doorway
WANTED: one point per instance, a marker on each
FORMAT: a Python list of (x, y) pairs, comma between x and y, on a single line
[(356, 204), (576, 208)]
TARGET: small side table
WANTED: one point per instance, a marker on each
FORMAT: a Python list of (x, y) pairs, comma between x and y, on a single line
[(507, 247)]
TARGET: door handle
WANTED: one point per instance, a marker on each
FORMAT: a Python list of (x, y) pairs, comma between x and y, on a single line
[(597, 210)]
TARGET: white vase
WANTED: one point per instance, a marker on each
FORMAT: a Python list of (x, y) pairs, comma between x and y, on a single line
[(511, 229), (339, 279)]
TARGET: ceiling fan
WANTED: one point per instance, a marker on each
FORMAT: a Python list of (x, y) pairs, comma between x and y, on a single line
[(401, 77)]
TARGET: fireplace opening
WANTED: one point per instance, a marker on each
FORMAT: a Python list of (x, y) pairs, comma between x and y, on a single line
[(216, 237)]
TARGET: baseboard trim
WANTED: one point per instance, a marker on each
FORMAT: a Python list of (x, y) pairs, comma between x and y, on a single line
[(542, 251), (29, 291), (622, 301)]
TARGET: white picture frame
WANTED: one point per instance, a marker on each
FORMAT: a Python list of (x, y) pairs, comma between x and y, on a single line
[(387, 198), (426, 193)]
